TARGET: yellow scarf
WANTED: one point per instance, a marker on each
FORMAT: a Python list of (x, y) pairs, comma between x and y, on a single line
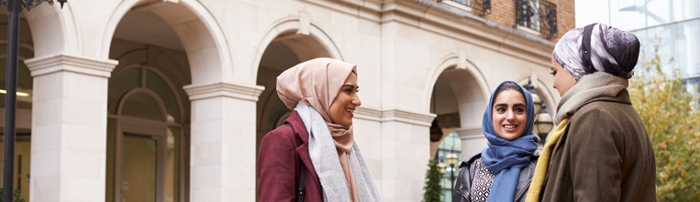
[(533, 194)]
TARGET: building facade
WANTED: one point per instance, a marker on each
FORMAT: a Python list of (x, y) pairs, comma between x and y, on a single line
[(673, 25), (167, 100)]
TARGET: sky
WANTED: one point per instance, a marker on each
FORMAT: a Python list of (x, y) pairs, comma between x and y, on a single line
[(590, 11)]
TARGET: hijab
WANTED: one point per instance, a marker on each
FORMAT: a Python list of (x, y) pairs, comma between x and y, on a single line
[(507, 157), (598, 47), (317, 82)]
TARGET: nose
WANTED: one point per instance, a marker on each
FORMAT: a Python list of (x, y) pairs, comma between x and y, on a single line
[(356, 100), (510, 115)]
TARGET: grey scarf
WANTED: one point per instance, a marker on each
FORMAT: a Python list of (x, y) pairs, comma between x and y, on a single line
[(324, 157), (590, 86)]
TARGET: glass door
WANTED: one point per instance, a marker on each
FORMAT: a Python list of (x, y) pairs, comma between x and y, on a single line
[(139, 168)]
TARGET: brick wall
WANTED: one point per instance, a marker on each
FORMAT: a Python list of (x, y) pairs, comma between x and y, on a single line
[(565, 16), (503, 12)]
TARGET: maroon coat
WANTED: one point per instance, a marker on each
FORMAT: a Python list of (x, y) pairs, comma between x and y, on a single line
[(278, 163)]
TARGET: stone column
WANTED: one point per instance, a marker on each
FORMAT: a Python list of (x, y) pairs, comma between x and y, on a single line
[(222, 146), (69, 127), (473, 141), (405, 154)]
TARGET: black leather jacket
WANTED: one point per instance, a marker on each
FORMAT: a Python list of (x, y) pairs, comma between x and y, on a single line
[(466, 174)]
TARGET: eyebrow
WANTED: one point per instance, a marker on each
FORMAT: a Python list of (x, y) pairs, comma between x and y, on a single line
[(504, 104), (350, 85)]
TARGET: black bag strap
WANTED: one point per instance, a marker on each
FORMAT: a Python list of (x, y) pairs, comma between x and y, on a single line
[(302, 186)]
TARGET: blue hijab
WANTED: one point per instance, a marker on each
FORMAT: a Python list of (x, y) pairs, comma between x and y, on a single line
[(507, 157)]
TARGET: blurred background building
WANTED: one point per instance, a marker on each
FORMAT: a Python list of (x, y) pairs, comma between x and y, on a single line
[(672, 24), (167, 100)]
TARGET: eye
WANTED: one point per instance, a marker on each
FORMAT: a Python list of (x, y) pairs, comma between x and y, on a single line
[(348, 90), (357, 89), (500, 109), (553, 73), (519, 110)]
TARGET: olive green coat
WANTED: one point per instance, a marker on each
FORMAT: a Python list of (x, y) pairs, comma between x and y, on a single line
[(605, 154)]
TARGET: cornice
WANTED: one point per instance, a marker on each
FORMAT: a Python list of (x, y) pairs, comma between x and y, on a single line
[(223, 89), (366, 9), (70, 63)]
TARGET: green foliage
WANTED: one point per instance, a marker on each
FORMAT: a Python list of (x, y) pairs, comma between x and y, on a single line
[(17, 197), (667, 110), (432, 188)]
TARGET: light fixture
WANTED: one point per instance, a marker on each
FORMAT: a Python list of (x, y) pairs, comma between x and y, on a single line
[(543, 121), (442, 168), (452, 159), (21, 94)]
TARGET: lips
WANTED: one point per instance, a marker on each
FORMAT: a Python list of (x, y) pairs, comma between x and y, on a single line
[(350, 111), (510, 127)]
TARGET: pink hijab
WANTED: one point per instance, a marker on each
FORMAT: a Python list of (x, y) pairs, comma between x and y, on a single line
[(317, 83)]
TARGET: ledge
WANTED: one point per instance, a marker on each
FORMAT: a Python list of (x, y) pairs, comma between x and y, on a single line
[(394, 115), (470, 133), (71, 63), (223, 89)]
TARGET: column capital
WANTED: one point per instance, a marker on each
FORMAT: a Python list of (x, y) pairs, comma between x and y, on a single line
[(369, 114), (398, 115), (223, 89), (408, 117), (470, 133), (71, 63)]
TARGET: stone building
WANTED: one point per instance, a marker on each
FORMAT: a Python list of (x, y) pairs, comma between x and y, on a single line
[(167, 100)]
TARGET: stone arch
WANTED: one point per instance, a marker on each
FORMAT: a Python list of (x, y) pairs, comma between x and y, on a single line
[(53, 30), (471, 92), (468, 69), (305, 38), (202, 37)]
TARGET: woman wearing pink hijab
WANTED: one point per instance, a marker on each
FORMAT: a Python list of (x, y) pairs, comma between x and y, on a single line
[(313, 156)]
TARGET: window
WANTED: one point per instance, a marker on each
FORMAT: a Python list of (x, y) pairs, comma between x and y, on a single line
[(527, 14), (450, 145), (467, 3), (537, 15)]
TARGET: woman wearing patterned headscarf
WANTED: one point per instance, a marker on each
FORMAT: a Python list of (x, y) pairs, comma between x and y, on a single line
[(315, 150), (600, 149), (502, 172)]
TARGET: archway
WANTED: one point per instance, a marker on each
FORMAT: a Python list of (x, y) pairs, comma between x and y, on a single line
[(457, 98), (285, 46), (148, 110)]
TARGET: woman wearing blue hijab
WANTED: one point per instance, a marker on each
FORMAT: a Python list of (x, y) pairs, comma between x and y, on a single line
[(503, 170)]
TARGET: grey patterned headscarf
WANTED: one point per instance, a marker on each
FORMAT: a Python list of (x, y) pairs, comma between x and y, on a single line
[(597, 47)]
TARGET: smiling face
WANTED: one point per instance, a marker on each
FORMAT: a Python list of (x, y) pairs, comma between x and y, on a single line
[(563, 80), (509, 114), (343, 107)]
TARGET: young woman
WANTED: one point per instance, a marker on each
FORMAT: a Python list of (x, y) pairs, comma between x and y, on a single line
[(502, 172), (315, 149), (600, 149)]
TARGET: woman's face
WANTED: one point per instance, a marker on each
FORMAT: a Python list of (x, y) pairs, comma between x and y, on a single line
[(343, 107), (563, 80), (509, 114)]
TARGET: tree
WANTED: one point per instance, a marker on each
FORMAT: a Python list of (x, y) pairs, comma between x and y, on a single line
[(432, 188), (16, 197), (671, 118)]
